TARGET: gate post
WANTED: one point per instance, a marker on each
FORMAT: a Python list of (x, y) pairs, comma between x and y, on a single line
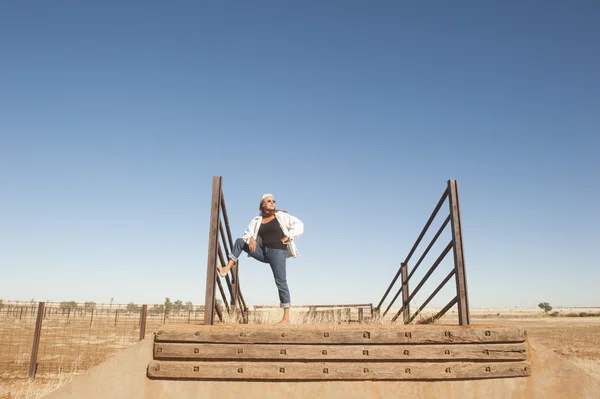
[(209, 298), (36, 341), (459, 256)]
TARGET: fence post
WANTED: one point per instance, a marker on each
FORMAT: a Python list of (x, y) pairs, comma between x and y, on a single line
[(209, 298), (459, 258), (143, 322), (405, 303), (36, 341), (234, 286)]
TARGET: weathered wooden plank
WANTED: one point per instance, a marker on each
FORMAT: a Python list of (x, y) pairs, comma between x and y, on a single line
[(335, 370), (211, 277), (405, 294), (459, 258), (191, 351), (344, 336)]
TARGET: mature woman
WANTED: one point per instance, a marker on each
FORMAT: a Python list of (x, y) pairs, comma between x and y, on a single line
[(270, 239)]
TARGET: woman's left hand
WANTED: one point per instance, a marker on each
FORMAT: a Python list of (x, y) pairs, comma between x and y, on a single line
[(285, 240)]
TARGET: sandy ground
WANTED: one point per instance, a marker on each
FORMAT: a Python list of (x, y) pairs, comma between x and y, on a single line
[(552, 378), (576, 339)]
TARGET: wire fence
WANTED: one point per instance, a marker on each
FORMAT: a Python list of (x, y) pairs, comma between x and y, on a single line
[(47, 339), (73, 337)]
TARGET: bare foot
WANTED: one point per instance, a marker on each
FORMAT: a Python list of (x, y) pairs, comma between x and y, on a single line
[(222, 271), (284, 321)]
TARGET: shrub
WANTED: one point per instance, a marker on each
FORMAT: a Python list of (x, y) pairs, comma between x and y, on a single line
[(133, 308), (545, 306), (177, 306), (68, 305), (157, 309)]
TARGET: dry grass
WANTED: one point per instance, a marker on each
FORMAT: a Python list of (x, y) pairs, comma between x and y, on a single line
[(272, 315), (580, 314), (70, 344), (74, 343), (33, 389), (300, 316)]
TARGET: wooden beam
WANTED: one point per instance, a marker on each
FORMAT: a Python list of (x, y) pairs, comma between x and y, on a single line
[(143, 317), (190, 351), (238, 370), (393, 301), (435, 211), (459, 257), (223, 296), (442, 312), (433, 294), (406, 303), (226, 219), (209, 298), (326, 335), (231, 285), (378, 307), (36, 340), (224, 261), (431, 270), (433, 241), (405, 298)]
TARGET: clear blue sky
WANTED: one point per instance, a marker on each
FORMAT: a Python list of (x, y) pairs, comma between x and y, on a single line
[(114, 116)]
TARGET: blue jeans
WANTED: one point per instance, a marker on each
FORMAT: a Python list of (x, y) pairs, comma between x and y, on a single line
[(276, 258)]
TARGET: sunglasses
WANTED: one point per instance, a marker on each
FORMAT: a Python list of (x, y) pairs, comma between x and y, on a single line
[(271, 201)]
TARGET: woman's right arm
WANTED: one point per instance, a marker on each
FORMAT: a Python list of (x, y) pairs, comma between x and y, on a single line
[(249, 233)]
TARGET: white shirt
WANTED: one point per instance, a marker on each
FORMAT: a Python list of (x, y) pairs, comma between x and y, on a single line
[(290, 225)]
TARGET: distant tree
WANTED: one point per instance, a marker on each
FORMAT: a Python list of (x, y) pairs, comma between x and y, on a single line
[(1, 303), (177, 306), (133, 308), (111, 302), (68, 305), (157, 309), (545, 306), (189, 306), (168, 305), (89, 305)]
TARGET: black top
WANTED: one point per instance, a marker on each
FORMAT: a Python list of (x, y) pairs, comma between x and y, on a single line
[(271, 235)]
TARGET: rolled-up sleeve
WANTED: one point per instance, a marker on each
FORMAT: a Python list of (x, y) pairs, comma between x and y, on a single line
[(249, 233), (295, 226)]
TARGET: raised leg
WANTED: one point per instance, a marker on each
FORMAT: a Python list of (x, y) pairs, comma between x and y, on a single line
[(239, 247)]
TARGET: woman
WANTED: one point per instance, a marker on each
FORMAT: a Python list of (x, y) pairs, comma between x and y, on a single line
[(270, 239)]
